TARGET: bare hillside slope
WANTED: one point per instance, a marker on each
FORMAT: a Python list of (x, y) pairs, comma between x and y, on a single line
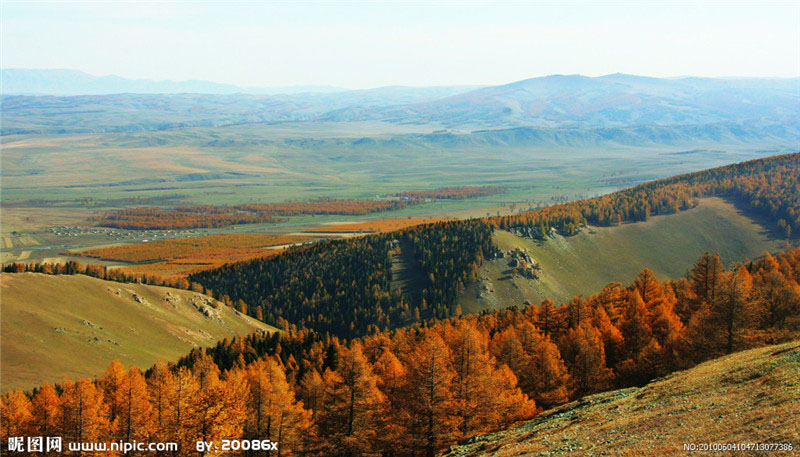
[(76, 325)]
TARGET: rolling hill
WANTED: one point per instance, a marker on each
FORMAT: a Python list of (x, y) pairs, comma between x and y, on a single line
[(76, 325), (608, 101), (113, 104), (584, 263), (747, 397)]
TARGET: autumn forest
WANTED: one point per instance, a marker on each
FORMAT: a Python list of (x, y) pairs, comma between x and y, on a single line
[(364, 368)]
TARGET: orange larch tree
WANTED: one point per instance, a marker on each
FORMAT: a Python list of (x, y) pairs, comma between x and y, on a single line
[(84, 415), (353, 406), (430, 395), (134, 421), (158, 389), (17, 417), (585, 357), (46, 411)]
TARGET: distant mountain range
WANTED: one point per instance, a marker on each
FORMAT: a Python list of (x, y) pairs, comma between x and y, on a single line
[(616, 100), (17, 81), (680, 107), (73, 83)]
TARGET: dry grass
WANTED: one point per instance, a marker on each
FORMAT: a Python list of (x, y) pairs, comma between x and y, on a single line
[(748, 397), (182, 256), (35, 219), (76, 325), (190, 247)]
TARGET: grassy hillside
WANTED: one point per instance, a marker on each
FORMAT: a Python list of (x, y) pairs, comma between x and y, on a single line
[(586, 262), (747, 397), (76, 325)]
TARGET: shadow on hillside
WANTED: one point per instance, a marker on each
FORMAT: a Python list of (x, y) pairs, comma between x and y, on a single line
[(768, 225)]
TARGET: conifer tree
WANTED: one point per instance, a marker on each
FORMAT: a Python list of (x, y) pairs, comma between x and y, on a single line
[(391, 380), (547, 318), (112, 386), (732, 308), (650, 289), (475, 402), (182, 392), (670, 332), (635, 329), (352, 406), (17, 416), (777, 297), (584, 355), (430, 398), (702, 340), (46, 411), (158, 387), (613, 341), (507, 349), (311, 391), (219, 407), (84, 415), (272, 412), (134, 419), (548, 373), (705, 278)]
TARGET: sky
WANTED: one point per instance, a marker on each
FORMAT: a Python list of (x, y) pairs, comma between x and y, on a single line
[(370, 44)]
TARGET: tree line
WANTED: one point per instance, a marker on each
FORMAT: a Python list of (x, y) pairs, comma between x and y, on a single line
[(416, 390), (72, 267), (209, 216), (453, 193), (769, 186)]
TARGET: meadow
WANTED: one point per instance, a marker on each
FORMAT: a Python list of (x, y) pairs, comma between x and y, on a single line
[(380, 226), (596, 256), (76, 325), (255, 164)]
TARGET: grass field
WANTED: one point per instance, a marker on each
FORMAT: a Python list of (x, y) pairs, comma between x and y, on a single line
[(386, 225), (747, 397), (53, 180), (584, 263), (298, 162), (76, 325)]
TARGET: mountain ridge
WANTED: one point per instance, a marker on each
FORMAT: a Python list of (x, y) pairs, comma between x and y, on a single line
[(57, 81)]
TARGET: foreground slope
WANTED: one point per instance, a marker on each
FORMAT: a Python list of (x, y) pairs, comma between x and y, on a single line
[(747, 397), (76, 325), (584, 263)]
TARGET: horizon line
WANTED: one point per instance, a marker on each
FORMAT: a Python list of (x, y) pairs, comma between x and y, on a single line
[(344, 89)]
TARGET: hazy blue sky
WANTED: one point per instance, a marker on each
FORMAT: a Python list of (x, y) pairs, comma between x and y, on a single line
[(360, 45)]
